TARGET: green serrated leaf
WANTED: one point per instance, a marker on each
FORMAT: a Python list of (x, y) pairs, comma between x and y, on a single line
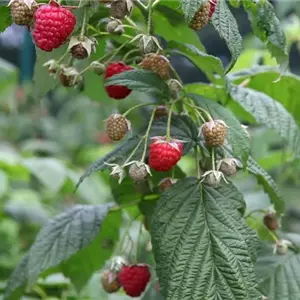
[(226, 25), (85, 262), (264, 79), (278, 274), (237, 136), (190, 7), (5, 19), (210, 65), (142, 81), (17, 282), (266, 26), (210, 248), (182, 127), (270, 187), (64, 236), (269, 112)]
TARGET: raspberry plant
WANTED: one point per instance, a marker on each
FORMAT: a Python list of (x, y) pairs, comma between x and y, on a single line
[(202, 240)]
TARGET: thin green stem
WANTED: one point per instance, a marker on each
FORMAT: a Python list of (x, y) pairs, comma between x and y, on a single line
[(175, 73), (213, 159), (149, 25), (168, 134), (140, 5), (63, 57), (84, 21), (129, 53), (135, 107), (197, 158), (147, 134), (131, 22), (134, 151), (155, 3), (117, 51), (201, 110), (173, 172), (40, 292)]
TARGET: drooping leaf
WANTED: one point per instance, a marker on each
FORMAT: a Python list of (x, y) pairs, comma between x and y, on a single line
[(266, 26), (85, 262), (64, 236), (142, 81), (190, 7), (270, 187), (269, 112), (225, 23), (264, 79), (278, 274), (237, 136), (5, 19), (210, 249), (182, 127), (17, 282), (210, 65)]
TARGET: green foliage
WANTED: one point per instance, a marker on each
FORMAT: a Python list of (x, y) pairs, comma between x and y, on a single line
[(266, 26), (268, 184), (190, 8), (269, 112), (5, 20), (225, 23), (278, 274), (142, 81), (209, 245)]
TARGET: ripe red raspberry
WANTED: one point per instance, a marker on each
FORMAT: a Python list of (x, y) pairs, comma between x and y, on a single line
[(213, 4), (134, 279), (117, 92), (163, 154), (52, 26)]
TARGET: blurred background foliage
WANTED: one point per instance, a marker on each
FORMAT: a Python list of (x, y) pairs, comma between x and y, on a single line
[(46, 142)]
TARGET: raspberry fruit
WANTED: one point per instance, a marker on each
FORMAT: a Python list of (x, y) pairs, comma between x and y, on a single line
[(79, 52), (117, 126), (134, 279), (163, 154), (117, 92), (166, 183), (201, 17), (228, 166), (52, 26), (138, 171), (213, 4), (110, 282), (119, 9), (214, 132), (158, 64), (161, 111), (22, 11), (271, 221)]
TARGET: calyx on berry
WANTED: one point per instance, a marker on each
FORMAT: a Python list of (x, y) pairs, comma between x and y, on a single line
[(138, 170), (175, 88), (53, 66), (119, 9), (117, 263), (166, 183), (281, 247), (115, 26), (82, 47), (228, 166), (147, 43), (271, 220), (69, 76), (213, 178), (117, 171), (98, 68), (110, 281)]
